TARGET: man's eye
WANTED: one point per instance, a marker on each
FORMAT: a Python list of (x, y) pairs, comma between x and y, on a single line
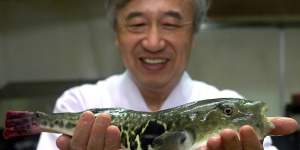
[(170, 26), (136, 27)]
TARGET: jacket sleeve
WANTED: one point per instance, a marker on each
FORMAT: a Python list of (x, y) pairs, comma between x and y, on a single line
[(268, 144), (47, 141)]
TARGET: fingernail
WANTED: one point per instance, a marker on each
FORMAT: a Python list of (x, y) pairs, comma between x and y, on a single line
[(103, 120), (215, 137), (86, 117)]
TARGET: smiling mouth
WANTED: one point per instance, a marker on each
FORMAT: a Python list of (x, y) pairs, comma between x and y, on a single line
[(154, 64), (154, 61)]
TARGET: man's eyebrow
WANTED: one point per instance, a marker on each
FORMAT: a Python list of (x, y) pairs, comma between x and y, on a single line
[(133, 14), (174, 14)]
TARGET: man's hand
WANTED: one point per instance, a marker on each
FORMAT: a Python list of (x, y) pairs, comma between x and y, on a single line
[(229, 140), (92, 133)]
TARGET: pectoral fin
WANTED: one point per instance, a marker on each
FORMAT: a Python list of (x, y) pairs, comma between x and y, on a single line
[(178, 140)]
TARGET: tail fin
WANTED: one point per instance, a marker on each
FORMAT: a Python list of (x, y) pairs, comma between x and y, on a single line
[(20, 123)]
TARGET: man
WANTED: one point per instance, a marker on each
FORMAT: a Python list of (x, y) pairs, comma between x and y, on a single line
[(154, 38)]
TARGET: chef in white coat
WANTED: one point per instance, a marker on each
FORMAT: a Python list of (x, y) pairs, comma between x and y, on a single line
[(155, 38)]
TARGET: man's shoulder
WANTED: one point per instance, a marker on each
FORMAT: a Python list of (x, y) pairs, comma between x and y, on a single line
[(87, 96), (204, 90), (100, 85), (201, 85)]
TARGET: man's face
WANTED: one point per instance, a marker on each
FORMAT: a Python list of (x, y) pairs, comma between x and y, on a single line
[(155, 38)]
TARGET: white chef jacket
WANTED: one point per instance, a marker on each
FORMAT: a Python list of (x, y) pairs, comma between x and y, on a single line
[(120, 91)]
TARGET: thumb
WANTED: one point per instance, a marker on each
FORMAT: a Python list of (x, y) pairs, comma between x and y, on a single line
[(63, 142), (283, 125)]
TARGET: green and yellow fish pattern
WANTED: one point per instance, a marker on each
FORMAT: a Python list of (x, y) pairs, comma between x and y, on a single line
[(185, 127)]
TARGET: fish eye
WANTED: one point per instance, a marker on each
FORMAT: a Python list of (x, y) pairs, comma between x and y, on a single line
[(228, 111)]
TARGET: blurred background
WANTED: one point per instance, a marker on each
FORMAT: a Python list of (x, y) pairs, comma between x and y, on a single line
[(49, 46)]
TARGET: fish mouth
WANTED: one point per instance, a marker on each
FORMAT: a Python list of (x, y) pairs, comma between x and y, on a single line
[(261, 106), (264, 110), (259, 118), (267, 124)]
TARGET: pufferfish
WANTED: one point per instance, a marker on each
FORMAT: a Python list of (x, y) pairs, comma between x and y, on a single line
[(185, 127)]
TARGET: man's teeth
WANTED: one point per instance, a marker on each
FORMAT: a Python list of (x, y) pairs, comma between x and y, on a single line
[(154, 61)]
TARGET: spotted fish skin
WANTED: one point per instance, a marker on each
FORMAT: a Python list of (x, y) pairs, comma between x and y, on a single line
[(185, 127)]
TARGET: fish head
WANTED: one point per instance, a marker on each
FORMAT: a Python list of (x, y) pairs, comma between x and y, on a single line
[(255, 115), (234, 113)]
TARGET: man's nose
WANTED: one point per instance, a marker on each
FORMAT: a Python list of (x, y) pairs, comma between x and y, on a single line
[(153, 40)]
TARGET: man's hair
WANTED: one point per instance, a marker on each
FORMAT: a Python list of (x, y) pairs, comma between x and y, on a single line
[(200, 8)]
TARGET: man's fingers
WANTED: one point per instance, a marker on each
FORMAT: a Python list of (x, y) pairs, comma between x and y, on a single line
[(113, 139), (230, 140), (82, 131), (214, 143), (283, 125), (98, 133), (63, 142), (249, 139)]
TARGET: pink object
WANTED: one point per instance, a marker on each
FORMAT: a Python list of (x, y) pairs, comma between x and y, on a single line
[(20, 123)]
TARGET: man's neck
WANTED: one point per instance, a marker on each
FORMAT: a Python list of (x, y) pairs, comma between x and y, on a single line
[(155, 96), (154, 99)]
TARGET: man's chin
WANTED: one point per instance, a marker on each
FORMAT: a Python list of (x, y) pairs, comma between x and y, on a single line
[(157, 84)]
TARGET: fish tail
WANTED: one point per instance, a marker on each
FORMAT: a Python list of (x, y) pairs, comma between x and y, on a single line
[(20, 123)]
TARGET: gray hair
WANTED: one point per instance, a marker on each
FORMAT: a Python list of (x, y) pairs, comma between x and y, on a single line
[(200, 9)]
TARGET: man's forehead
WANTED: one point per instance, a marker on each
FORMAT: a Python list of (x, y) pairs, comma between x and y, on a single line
[(173, 8), (171, 13)]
